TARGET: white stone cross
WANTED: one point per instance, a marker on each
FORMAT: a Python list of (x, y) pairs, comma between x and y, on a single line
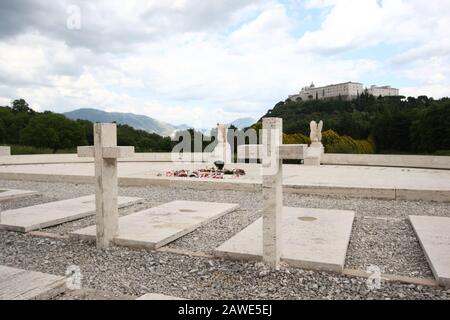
[(272, 152), (106, 152)]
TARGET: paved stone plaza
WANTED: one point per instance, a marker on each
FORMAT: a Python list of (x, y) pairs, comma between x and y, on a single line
[(385, 183)]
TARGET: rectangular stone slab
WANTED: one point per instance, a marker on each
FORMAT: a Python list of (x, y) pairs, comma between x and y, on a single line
[(434, 237), (158, 296), (10, 194), (156, 227), (314, 239), (17, 284), (53, 213)]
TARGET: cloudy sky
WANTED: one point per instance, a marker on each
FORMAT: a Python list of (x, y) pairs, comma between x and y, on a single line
[(206, 61)]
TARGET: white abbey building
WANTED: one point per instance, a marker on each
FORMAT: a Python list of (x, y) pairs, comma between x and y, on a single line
[(347, 91), (383, 91)]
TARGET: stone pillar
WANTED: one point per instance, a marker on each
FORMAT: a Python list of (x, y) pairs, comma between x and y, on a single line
[(106, 189), (272, 170), (5, 151)]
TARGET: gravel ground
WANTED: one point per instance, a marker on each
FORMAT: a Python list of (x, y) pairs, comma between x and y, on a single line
[(381, 236)]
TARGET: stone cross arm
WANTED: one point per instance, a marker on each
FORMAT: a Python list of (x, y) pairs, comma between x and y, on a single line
[(107, 152), (286, 151)]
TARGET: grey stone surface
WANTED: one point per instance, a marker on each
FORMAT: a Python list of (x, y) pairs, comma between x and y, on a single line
[(53, 213), (156, 227), (312, 239), (10, 194), (434, 237), (17, 284)]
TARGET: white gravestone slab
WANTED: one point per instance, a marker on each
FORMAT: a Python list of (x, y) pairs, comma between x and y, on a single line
[(158, 296), (11, 194), (53, 213), (156, 227), (17, 284), (314, 239), (434, 237)]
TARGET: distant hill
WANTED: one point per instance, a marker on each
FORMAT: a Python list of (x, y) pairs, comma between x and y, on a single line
[(243, 122), (136, 121)]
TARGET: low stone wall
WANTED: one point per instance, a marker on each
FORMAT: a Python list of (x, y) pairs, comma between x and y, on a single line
[(5, 151), (73, 158), (407, 161), (383, 160)]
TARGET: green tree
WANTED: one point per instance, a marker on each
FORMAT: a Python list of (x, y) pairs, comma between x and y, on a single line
[(21, 105), (54, 131)]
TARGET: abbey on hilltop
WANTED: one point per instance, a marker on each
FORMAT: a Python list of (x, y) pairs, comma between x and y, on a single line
[(346, 91)]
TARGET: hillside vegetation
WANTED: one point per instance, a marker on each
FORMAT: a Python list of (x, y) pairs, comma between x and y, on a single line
[(28, 132), (369, 124)]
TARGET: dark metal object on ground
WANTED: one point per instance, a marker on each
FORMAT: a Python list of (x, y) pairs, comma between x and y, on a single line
[(219, 164)]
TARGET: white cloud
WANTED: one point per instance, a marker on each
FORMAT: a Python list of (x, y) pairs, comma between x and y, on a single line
[(318, 4), (198, 70), (353, 24)]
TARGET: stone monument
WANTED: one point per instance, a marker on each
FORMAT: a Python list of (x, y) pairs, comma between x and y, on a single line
[(316, 131), (316, 150), (222, 152)]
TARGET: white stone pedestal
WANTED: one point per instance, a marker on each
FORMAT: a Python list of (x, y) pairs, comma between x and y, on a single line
[(314, 154)]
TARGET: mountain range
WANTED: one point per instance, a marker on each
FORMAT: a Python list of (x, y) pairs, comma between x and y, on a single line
[(243, 123), (141, 122), (136, 121)]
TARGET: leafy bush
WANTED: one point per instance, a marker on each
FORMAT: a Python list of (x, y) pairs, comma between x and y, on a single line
[(18, 150), (442, 153), (334, 143), (296, 138)]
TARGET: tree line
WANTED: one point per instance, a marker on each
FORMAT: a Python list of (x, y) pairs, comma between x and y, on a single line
[(28, 131), (367, 124)]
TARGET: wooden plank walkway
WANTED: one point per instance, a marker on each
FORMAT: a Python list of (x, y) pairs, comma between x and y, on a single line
[(17, 284)]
